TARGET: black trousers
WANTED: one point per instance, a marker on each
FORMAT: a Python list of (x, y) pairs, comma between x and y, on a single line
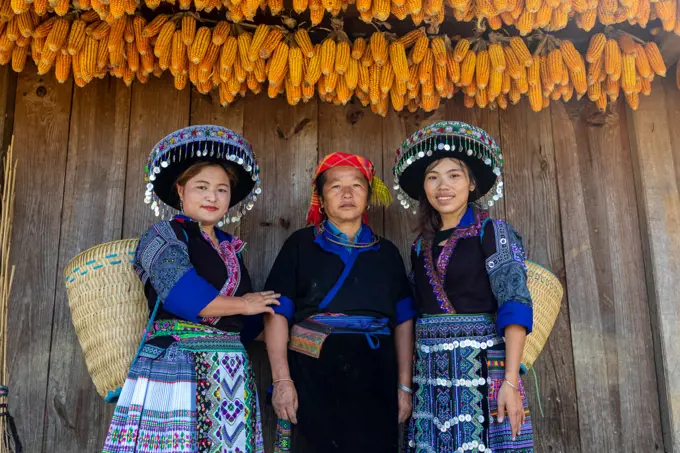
[(347, 397)]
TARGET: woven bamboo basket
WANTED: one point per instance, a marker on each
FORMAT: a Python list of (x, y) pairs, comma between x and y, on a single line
[(109, 311), (546, 293)]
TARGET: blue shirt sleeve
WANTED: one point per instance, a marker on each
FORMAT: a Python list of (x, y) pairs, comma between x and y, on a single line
[(164, 260), (282, 279)]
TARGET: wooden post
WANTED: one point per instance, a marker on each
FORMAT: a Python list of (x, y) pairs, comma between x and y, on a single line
[(654, 140), (8, 89)]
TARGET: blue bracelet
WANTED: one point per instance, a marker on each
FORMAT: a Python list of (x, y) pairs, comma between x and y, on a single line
[(406, 389)]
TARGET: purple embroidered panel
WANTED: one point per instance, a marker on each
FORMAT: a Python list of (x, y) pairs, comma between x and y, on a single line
[(228, 251), (437, 274)]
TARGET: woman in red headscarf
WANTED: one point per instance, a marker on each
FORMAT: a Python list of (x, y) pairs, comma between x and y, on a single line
[(344, 378)]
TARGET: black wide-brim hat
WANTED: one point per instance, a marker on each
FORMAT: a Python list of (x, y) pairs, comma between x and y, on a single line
[(177, 152), (448, 139)]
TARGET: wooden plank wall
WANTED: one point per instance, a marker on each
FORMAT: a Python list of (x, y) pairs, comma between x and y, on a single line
[(581, 187)]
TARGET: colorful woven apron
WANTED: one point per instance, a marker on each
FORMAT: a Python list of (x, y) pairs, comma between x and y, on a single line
[(198, 395), (458, 370)]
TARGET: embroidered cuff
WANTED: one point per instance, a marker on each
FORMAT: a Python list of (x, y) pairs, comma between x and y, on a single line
[(189, 296), (405, 310), (512, 312), (286, 309), (252, 327)]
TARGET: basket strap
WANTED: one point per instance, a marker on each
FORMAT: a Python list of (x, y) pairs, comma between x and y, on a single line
[(152, 318)]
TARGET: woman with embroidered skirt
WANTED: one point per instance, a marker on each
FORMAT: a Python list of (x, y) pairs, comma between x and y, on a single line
[(344, 378), (191, 387), (470, 284)]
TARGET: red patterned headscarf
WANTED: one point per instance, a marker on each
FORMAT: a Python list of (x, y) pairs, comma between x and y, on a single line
[(381, 194)]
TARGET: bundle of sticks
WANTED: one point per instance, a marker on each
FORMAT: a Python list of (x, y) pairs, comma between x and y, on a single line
[(9, 441)]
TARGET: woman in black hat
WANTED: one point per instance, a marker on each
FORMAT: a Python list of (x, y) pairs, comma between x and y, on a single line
[(471, 292), (191, 387)]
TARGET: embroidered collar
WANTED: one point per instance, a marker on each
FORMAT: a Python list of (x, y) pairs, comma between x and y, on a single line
[(222, 236), (437, 273)]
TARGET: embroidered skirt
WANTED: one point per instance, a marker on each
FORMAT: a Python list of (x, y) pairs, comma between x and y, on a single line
[(458, 370), (198, 395)]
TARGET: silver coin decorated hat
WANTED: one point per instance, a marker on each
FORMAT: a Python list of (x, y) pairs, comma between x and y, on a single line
[(178, 151), (453, 139)]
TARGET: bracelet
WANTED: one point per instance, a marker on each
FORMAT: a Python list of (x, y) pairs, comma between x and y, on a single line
[(276, 381), (406, 389), (511, 385)]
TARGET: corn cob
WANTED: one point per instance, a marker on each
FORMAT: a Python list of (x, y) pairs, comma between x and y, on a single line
[(399, 61), (580, 82), (62, 69), (642, 62), (655, 59), (193, 73), (331, 82), (358, 48), (342, 57), (410, 38), (300, 6), (386, 78), (364, 79), (452, 68), (19, 57), (612, 59), (46, 61), (367, 58), (536, 98), (307, 92), (374, 87), (179, 52), (188, 30), (467, 70), (419, 49), (594, 71), (352, 75), (469, 102), (380, 9), (40, 7), (546, 79), (526, 22), (506, 83), (258, 40), (514, 96), (633, 100), (414, 93), (572, 58), (521, 51), (316, 16), (497, 57), (482, 69), (594, 91), (495, 84), (327, 56), (273, 39), (438, 51), (244, 41), (102, 54), (163, 44), (88, 59), (534, 72), (295, 66), (400, 87), (259, 71), (555, 66), (58, 35), (643, 13), (302, 39), (154, 27), (397, 100), (61, 7), (12, 30), (596, 47), (25, 25), (277, 70), (461, 50), (628, 74), (241, 75), (425, 67), (116, 34), (378, 46), (414, 6), (42, 30), (646, 86), (427, 87), (37, 45), (314, 72), (544, 15)]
